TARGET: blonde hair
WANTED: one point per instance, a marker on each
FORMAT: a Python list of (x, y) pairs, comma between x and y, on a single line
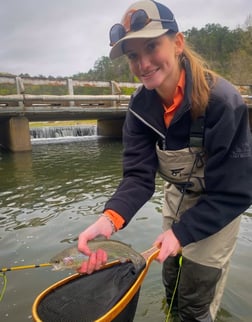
[(202, 80)]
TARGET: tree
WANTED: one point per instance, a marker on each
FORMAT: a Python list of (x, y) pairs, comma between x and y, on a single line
[(228, 52), (218, 45), (107, 70)]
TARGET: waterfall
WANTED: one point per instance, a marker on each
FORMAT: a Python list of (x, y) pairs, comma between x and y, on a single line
[(53, 132)]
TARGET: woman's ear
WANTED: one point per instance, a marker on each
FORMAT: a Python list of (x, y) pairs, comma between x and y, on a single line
[(179, 42)]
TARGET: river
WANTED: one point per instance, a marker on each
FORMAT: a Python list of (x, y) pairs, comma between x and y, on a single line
[(48, 196)]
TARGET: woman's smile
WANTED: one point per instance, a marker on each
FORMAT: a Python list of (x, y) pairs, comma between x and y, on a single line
[(150, 73)]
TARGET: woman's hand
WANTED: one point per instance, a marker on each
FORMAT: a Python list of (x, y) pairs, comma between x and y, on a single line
[(96, 259), (169, 245), (94, 263)]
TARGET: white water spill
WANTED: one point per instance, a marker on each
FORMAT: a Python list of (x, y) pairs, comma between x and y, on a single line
[(63, 131)]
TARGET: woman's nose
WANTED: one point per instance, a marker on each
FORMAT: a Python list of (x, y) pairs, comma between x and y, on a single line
[(143, 62)]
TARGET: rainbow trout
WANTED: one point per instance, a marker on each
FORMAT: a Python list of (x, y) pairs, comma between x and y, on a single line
[(72, 258)]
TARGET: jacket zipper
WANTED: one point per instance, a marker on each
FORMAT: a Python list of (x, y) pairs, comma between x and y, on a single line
[(148, 124)]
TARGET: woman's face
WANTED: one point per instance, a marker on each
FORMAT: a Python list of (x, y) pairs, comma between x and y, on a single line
[(155, 61)]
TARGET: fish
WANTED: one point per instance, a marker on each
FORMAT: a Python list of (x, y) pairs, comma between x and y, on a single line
[(72, 258)]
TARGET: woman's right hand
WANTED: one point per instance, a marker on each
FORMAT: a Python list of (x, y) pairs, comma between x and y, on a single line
[(102, 227)]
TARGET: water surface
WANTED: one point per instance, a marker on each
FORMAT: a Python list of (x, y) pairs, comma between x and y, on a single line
[(48, 196)]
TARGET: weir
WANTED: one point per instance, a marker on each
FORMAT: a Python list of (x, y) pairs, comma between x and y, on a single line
[(18, 110), (49, 132)]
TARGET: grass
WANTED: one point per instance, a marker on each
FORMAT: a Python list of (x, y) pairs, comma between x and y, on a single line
[(63, 123)]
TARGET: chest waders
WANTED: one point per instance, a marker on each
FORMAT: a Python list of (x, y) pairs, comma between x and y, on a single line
[(205, 263)]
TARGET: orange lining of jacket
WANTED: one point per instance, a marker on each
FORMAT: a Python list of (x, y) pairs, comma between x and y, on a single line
[(177, 100), (168, 116)]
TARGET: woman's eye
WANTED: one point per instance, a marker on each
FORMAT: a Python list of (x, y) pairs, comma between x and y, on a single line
[(132, 56), (151, 46)]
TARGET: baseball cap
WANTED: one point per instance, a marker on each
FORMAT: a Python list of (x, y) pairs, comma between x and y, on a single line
[(143, 19)]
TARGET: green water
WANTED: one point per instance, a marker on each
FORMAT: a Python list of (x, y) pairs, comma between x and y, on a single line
[(48, 196)]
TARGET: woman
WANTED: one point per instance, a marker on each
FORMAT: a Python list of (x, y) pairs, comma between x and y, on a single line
[(190, 126)]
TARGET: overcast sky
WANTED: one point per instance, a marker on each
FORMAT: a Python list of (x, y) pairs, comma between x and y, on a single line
[(66, 37)]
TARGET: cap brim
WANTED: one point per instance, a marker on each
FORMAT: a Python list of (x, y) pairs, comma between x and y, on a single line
[(117, 50)]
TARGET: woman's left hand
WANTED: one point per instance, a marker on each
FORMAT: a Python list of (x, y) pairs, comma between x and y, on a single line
[(169, 245)]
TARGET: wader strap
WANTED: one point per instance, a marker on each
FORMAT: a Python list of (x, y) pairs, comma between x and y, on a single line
[(197, 132)]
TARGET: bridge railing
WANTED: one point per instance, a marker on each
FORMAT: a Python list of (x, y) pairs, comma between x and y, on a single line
[(115, 99), (24, 99)]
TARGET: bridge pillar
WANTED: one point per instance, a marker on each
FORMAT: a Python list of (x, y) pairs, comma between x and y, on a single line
[(110, 128), (15, 134)]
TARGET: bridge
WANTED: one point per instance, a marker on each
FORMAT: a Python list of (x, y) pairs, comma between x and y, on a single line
[(17, 110)]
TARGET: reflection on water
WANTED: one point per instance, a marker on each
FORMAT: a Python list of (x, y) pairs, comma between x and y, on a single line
[(49, 195)]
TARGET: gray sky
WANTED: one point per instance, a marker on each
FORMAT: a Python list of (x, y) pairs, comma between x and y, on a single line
[(63, 37)]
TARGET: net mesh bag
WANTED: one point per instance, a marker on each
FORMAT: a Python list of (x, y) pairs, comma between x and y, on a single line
[(88, 297)]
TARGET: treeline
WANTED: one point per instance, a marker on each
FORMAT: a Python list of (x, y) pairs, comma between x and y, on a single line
[(228, 52)]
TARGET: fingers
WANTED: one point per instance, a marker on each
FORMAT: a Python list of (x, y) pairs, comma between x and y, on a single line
[(90, 233), (102, 227), (96, 259), (169, 245), (95, 262), (165, 251), (82, 244), (158, 241), (101, 258)]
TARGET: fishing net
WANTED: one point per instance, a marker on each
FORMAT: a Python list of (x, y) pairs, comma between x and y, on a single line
[(88, 297)]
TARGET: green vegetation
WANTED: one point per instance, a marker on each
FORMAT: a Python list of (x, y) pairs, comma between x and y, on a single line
[(228, 52)]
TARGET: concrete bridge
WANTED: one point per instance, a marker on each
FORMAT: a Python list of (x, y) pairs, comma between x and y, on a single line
[(17, 110)]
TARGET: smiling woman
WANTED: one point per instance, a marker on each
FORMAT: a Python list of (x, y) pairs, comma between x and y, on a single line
[(75, 189), (174, 126)]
